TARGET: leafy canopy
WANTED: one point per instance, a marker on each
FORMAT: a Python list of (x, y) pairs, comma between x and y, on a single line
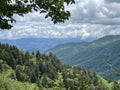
[(52, 8)]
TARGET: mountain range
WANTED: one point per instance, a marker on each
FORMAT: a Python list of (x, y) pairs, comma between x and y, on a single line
[(101, 55), (25, 71), (42, 44)]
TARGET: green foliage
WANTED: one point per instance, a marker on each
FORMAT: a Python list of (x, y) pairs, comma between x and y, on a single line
[(8, 80), (44, 72), (116, 86), (101, 56), (59, 83), (52, 8), (10, 84)]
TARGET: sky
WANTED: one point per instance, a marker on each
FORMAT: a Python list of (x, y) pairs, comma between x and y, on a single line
[(89, 19)]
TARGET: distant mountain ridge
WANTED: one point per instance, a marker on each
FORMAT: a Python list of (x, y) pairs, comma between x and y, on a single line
[(101, 55), (25, 71), (42, 44)]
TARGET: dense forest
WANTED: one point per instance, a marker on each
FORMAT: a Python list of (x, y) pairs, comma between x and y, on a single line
[(35, 71), (101, 56)]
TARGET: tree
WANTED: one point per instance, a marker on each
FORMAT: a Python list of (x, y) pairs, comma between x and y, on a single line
[(27, 57), (52, 8), (38, 55), (59, 83), (116, 86)]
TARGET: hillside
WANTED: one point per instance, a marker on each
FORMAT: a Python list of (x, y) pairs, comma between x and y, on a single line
[(42, 44), (24, 71), (101, 56)]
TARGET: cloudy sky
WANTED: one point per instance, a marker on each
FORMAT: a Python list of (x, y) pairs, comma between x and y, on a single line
[(89, 19)]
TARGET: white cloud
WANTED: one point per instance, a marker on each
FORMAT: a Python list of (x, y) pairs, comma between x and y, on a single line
[(90, 19)]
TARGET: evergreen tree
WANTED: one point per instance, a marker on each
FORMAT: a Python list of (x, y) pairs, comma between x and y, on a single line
[(27, 57), (38, 56), (116, 86)]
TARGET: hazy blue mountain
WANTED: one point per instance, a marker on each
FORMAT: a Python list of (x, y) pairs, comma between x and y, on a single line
[(42, 44), (102, 55)]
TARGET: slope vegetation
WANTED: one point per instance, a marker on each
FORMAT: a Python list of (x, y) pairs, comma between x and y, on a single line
[(101, 56), (24, 71)]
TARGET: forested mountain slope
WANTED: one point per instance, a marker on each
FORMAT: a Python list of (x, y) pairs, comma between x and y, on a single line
[(102, 55), (24, 71)]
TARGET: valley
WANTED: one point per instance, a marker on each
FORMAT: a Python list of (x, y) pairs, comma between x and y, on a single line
[(101, 56)]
